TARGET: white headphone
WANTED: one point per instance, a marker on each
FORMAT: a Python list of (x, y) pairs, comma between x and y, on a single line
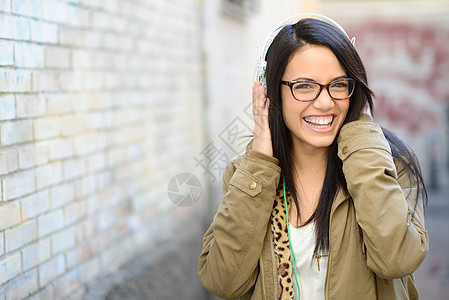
[(262, 64)]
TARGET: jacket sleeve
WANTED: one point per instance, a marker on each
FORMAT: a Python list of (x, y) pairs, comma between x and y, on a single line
[(228, 264), (384, 197)]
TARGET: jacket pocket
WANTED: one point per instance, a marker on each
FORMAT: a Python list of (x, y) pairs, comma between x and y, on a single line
[(246, 182)]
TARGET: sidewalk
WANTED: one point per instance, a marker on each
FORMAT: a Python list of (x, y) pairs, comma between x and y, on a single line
[(167, 271)]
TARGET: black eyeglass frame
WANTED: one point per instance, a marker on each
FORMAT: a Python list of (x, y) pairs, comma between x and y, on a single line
[(322, 86)]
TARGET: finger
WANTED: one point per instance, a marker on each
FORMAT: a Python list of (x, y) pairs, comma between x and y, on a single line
[(258, 98)]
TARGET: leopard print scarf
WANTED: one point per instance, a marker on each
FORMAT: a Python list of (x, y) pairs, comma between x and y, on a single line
[(281, 246)]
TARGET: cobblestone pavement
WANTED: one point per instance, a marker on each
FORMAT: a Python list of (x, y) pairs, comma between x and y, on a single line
[(432, 276)]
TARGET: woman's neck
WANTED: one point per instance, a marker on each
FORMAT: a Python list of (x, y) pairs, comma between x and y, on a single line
[(309, 161), (309, 172)]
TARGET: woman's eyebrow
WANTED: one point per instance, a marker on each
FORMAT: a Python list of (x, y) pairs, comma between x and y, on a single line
[(304, 78), (310, 79)]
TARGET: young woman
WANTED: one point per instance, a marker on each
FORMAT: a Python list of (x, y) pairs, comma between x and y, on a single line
[(325, 204)]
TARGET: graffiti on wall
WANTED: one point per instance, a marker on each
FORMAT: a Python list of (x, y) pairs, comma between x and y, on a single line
[(408, 69)]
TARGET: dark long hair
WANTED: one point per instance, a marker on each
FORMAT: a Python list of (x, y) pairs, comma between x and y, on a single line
[(284, 45)]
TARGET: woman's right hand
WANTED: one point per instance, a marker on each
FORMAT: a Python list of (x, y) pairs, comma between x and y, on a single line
[(262, 135)]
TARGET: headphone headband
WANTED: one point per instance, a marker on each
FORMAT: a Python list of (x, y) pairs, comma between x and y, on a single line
[(262, 64)]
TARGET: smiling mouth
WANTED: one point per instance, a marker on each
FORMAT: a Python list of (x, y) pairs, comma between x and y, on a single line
[(320, 122)]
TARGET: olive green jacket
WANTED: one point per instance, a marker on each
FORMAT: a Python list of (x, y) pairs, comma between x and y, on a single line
[(375, 244)]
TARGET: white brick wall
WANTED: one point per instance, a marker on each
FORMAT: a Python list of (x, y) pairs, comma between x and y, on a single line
[(96, 102)]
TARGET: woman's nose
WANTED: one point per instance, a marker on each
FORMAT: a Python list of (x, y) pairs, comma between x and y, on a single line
[(324, 100)]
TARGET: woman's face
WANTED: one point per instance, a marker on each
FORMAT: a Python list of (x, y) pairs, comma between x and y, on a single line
[(313, 124)]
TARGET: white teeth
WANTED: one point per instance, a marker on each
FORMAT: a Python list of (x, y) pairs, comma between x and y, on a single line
[(320, 122)]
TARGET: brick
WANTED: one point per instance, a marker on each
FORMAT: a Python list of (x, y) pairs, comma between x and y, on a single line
[(89, 143), (35, 254), (62, 194), (16, 28), (98, 4), (33, 155), (86, 230), (6, 53), (57, 58), (103, 21), (73, 81), (78, 254), (74, 212), (94, 81), (51, 270), (106, 198), (90, 270), (107, 218), (44, 294), (101, 242), (46, 128), (29, 106), (67, 284), (48, 175), (9, 215), (15, 132), (111, 41), (74, 168), (59, 104), (71, 37), (92, 39), (7, 107), (61, 149), (2, 244), (96, 162), (23, 286), (19, 236), (116, 156), (45, 81), (84, 59), (29, 8), (85, 186), (63, 240), (43, 32), (84, 104), (15, 81), (78, 16), (18, 185), (28, 55), (51, 222), (55, 11), (35, 204), (9, 161), (5, 6), (10, 267)]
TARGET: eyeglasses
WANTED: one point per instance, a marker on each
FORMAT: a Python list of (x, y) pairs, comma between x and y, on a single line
[(307, 90)]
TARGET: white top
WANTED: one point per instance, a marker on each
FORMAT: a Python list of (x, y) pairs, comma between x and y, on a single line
[(311, 280)]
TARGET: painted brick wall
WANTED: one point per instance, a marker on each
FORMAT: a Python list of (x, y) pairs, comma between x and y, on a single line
[(100, 105)]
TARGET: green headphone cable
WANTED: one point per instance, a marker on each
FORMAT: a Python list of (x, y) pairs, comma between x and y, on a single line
[(290, 241)]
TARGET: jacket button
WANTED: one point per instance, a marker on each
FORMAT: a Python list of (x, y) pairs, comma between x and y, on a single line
[(252, 185), (345, 149)]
